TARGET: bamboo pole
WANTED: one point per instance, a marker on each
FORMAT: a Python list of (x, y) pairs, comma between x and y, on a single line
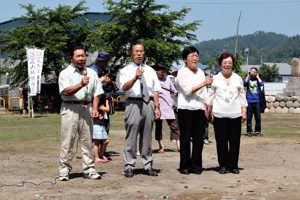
[(237, 33)]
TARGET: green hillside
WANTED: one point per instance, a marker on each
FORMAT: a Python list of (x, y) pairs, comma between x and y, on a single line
[(265, 47)]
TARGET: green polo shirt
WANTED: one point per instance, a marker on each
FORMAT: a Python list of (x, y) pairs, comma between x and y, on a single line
[(72, 76)]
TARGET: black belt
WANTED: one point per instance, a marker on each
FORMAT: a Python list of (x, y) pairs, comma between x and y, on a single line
[(138, 99), (78, 102)]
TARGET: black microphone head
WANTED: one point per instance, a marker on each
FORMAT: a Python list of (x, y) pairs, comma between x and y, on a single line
[(84, 72)]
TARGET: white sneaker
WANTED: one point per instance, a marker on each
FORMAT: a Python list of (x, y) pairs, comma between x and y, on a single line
[(64, 176), (92, 175)]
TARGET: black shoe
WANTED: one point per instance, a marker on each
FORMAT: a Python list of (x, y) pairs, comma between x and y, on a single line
[(151, 172), (197, 171), (249, 134), (234, 171), (222, 170), (129, 173), (185, 171)]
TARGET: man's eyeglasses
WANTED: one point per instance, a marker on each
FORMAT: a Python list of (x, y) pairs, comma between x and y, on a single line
[(194, 56), (137, 51)]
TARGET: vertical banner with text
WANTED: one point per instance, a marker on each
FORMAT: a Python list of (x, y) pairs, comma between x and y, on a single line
[(39, 68), (35, 59)]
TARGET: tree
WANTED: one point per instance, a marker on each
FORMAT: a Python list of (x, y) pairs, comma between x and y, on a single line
[(237, 68), (142, 21), (267, 73), (213, 62), (51, 29)]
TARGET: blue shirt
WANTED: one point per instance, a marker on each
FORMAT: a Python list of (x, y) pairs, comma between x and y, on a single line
[(252, 94), (96, 68)]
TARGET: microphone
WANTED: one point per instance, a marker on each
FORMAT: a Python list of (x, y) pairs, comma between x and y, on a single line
[(84, 72), (211, 74), (141, 68)]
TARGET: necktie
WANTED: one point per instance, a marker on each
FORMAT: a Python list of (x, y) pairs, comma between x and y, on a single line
[(144, 89)]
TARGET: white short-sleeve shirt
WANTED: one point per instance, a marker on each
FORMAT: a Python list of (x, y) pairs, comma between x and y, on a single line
[(129, 72)]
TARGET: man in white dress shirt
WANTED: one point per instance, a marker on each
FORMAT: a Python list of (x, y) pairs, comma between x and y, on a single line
[(141, 85)]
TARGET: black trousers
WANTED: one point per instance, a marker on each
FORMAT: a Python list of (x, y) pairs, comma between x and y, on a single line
[(191, 125), (228, 131)]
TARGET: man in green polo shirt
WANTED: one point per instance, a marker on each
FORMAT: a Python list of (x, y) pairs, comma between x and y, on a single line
[(78, 86)]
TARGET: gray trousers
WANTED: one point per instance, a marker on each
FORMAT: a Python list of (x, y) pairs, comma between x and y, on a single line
[(139, 118)]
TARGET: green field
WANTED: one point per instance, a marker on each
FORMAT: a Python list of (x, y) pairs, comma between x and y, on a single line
[(14, 128)]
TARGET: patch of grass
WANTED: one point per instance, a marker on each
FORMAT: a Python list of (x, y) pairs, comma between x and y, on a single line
[(45, 128)]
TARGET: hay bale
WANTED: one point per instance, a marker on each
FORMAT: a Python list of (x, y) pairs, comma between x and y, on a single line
[(286, 99), (282, 104), (291, 110), (285, 110), (270, 105), (294, 98), (270, 99), (296, 104), (272, 110), (289, 104), (279, 98), (297, 110), (276, 104), (278, 110)]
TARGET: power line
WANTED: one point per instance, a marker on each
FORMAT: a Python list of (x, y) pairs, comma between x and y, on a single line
[(250, 3)]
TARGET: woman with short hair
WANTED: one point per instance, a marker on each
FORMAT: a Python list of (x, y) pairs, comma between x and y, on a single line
[(227, 110), (191, 111)]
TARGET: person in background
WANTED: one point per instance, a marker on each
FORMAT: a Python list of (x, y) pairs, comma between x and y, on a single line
[(253, 82), (191, 111), (78, 87), (99, 67), (141, 85), (25, 100), (99, 133), (206, 124), (166, 107), (227, 108)]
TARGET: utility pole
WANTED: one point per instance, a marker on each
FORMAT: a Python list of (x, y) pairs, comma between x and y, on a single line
[(237, 33)]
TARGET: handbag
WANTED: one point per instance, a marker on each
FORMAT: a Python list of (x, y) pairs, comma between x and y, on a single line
[(262, 99)]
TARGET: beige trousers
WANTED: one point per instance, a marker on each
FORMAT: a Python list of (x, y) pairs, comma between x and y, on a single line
[(76, 118)]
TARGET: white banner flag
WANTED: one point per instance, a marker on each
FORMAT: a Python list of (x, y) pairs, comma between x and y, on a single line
[(39, 65), (35, 65)]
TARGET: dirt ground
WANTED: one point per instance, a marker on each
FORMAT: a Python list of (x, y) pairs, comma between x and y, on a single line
[(269, 169)]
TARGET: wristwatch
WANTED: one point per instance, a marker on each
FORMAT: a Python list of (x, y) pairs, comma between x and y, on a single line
[(157, 106)]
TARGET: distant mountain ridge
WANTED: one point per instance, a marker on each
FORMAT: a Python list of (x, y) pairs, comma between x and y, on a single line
[(260, 46)]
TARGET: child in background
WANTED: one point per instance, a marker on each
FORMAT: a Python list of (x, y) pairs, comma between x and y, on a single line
[(99, 134)]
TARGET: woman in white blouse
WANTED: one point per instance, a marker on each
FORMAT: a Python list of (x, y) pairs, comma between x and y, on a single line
[(191, 111), (227, 110)]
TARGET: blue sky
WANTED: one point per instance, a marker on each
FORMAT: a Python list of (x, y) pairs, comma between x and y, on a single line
[(219, 17)]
